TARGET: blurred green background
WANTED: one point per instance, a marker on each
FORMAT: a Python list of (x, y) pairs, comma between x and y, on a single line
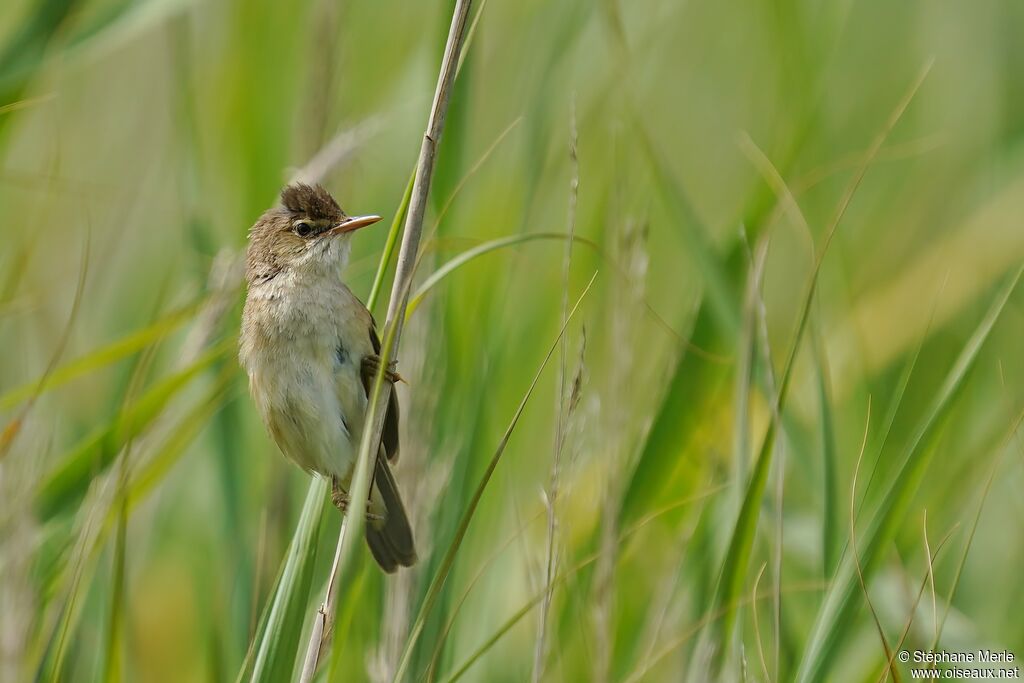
[(690, 530)]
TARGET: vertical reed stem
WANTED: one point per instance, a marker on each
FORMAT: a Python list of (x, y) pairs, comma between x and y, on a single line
[(353, 528)]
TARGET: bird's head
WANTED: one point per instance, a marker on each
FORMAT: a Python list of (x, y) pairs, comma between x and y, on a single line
[(308, 232)]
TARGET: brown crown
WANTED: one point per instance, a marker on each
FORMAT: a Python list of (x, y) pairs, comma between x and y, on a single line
[(313, 201)]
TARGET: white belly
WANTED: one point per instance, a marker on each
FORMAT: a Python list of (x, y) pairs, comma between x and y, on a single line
[(309, 394), (300, 404)]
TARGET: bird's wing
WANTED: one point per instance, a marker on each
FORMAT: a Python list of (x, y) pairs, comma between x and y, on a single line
[(390, 436)]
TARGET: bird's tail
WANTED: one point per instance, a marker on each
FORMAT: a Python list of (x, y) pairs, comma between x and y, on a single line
[(390, 539)]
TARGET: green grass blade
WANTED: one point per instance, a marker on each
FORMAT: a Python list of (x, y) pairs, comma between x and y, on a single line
[(113, 666), (696, 386), (831, 540), (565, 574), (498, 634), (279, 642), (184, 433), (718, 282), (735, 565), (96, 529), (261, 628), (389, 245), (666, 463), (895, 402), (476, 252), (744, 377), (437, 583), (835, 616), (24, 51), (958, 574), (64, 486), (100, 358)]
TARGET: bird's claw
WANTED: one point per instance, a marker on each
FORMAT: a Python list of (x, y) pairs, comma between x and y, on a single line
[(371, 364), (341, 501)]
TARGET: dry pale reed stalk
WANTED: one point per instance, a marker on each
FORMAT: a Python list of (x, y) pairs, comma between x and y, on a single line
[(352, 528)]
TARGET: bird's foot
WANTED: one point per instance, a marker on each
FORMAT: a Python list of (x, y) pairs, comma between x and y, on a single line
[(339, 496), (371, 364), (341, 500)]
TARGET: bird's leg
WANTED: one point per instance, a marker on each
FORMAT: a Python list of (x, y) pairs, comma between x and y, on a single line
[(341, 499), (370, 366)]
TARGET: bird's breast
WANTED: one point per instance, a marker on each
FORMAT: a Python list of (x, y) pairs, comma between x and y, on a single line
[(302, 350)]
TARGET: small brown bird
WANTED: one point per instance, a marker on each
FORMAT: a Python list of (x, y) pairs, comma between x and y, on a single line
[(311, 350)]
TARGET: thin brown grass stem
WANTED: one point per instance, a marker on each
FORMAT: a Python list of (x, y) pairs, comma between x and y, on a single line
[(757, 625), (434, 590), (734, 567), (777, 183), (439, 647), (620, 539), (468, 175), (709, 618), (872, 152), (931, 575), (757, 286), (917, 601), (856, 553), (974, 528), (844, 204)]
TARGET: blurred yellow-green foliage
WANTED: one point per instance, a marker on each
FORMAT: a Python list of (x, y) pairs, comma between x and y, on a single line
[(697, 532)]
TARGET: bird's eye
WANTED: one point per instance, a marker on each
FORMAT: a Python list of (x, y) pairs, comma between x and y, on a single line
[(303, 229)]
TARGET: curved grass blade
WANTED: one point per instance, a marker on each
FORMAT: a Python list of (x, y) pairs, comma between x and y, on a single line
[(112, 660), (831, 539), (735, 565), (435, 658), (434, 591), (183, 434), (718, 283), (696, 383), (97, 524), (10, 432), (566, 574), (275, 658), (970, 535), (834, 617), (501, 242), (476, 252), (24, 51), (69, 481), (261, 628), (389, 244), (505, 628), (101, 357)]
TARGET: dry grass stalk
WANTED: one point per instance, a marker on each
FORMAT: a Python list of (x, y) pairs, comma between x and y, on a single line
[(562, 400)]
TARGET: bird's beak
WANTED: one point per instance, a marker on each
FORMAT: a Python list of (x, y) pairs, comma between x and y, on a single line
[(352, 223)]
